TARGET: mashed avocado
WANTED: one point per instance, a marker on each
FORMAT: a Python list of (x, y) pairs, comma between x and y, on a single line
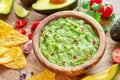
[(68, 42)]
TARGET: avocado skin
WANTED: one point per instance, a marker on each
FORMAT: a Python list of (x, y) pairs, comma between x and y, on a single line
[(116, 71), (111, 73), (5, 12), (28, 3), (115, 31), (47, 12)]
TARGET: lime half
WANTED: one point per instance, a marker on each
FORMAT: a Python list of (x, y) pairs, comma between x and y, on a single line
[(20, 11)]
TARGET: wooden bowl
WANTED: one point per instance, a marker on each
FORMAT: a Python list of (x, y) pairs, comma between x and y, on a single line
[(75, 70)]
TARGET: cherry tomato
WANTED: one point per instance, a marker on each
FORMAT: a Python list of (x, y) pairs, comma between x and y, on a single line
[(108, 11), (30, 36), (35, 24), (21, 30), (95, 1), (102, 9), (116, 56), (20, 23)]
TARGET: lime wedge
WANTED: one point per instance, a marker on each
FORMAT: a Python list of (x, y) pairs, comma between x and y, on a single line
[(20, 11)]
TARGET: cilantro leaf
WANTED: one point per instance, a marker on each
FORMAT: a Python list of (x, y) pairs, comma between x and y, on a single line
[(85, 4), (96, 6), (97, 16), (90, 13), (105, 28), (112, 17)]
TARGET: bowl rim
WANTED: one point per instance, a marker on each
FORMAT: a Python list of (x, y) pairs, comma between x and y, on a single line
[(78, 69)]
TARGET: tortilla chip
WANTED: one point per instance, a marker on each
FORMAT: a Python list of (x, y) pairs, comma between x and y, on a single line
[(4, 28), (45, 75), (8, 54), (18, 62), (14, 38), (2, 50)]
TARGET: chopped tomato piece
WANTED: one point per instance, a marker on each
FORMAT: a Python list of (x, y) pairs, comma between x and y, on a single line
[(21, 30), (95, 1), (35, 24), (20, 23), (108, 11), (116, 56), (102, 9), (30, 36)]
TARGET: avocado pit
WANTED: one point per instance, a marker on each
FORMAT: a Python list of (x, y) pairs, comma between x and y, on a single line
[(57, 1)]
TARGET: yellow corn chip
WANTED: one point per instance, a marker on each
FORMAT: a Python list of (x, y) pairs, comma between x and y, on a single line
[(45, 75), (14, 38), (4, 28), (2, 50), (8, 55), (18, 62)]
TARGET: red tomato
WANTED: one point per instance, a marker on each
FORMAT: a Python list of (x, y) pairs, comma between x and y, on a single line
[(35, 24), (20, 23), (30, 36), (108, 11), (116, 56), (95, 1), (102, 9), (21, 30)]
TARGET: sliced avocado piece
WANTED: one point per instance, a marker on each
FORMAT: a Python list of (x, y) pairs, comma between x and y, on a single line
[(20, 11), (108, 74), (6, 6), (45, 7), (90, 78)]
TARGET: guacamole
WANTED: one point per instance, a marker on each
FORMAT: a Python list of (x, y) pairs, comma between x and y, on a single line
[(68, 42)]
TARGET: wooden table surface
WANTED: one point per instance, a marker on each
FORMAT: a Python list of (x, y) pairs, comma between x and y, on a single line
[(34, 66)]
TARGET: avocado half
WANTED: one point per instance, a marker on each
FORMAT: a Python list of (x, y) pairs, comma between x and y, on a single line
[(45, 7), (115, 31), (108, 74), (6, 6)]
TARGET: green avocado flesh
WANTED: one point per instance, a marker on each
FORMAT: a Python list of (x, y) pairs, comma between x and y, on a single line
[(108, 74), (6, 6), (44, 6), (68, 42)]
